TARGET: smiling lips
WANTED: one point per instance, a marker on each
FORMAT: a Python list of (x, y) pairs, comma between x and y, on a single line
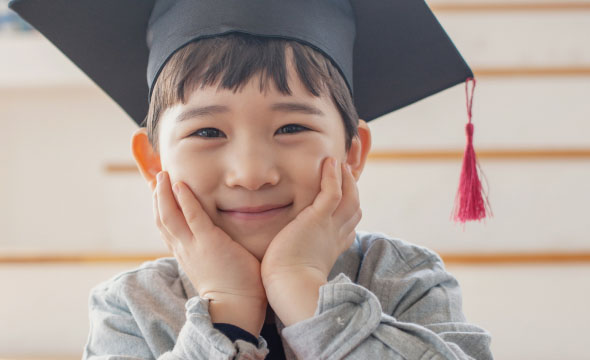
[(257, 212)]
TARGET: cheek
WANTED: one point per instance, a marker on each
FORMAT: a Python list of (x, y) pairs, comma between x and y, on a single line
[(187, 169), (306, 172)]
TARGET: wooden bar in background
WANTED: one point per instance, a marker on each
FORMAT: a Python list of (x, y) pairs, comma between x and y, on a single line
[(492, 154), (448, 258), (40, 357), (77, 258), (120, 168), (529, 71), (509, 6), (429, 155), (516, 258)]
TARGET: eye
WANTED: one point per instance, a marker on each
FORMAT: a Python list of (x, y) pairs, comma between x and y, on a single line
[(292, 129), (207, 133)]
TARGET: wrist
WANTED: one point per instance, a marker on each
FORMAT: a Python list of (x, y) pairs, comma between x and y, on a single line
[(244, 313), (295, 298), (279, 279)]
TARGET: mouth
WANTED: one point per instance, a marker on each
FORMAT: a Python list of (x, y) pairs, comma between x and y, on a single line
[(255, 213), (256, 209)]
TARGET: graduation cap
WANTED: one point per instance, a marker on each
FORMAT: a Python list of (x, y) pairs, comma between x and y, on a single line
[(391, 53)]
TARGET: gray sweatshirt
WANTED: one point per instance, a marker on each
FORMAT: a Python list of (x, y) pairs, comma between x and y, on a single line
[(385, 299)]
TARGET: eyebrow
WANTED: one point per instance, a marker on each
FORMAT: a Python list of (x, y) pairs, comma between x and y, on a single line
[(219, 109)]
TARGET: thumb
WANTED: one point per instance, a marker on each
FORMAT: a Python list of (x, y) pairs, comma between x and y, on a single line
[(330, 193)]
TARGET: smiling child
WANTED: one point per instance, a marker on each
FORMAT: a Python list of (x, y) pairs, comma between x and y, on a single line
[(252, 143)]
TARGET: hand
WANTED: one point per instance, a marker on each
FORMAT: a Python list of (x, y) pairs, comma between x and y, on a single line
[(311, 243), (218, 267)]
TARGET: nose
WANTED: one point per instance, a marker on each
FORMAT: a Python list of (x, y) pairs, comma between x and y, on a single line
[(252, 168)]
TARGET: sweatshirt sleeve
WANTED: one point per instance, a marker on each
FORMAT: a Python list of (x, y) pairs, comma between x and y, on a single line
[(114, 334), (423, 319)]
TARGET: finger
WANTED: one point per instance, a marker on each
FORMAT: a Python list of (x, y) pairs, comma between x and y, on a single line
[(197, 219), (171, 216), (352, 222), (349, 240), (167, 242), (163, 232), (156, 210), (350, 197), (330, 188)]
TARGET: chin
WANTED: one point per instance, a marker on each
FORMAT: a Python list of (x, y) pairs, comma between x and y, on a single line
[(256, 245)]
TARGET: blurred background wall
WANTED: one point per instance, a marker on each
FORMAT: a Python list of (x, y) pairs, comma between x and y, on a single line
[(74, 210)]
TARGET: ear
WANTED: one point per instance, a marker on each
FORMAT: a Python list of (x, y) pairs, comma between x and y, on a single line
[(359, 149), (147, 160)]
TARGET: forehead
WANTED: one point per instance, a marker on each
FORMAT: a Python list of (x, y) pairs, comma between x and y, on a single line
[(263, 96)]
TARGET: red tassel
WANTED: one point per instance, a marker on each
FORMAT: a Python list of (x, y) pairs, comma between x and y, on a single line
[(470, 203)]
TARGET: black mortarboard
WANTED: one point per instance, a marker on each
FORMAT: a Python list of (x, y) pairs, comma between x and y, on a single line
[(401, 53), (391, 53)]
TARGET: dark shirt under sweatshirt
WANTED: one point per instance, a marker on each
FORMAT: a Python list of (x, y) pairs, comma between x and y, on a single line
[(269, 333)]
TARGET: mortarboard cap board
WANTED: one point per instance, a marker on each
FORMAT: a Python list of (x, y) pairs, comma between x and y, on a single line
[(391, 53)]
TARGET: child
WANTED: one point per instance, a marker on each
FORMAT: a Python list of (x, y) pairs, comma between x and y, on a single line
[(252, 147)]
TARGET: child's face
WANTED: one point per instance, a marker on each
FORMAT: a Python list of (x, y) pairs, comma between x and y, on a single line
[(248, 158)]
